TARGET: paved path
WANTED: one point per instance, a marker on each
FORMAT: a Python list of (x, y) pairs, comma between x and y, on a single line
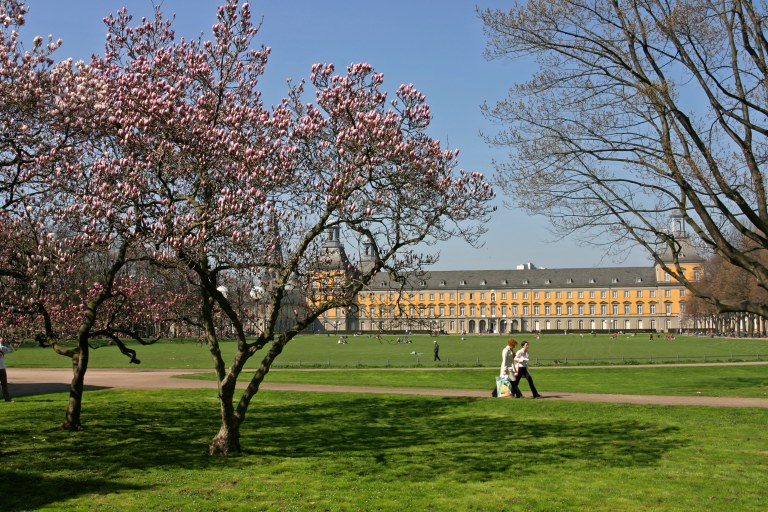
[(33, 381)]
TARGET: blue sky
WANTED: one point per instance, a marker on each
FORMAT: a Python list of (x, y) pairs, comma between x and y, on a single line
[(435, 44)]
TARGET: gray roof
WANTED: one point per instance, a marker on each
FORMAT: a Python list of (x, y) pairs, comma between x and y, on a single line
[(525, 279)]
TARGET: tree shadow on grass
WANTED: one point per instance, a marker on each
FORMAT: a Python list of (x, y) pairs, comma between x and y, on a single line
[(428, 434), (381, 436), (32, 491)]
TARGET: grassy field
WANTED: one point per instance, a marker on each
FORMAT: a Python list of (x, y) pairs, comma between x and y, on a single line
[(350, 452), (324, 351), (146, 450), (734, 381)]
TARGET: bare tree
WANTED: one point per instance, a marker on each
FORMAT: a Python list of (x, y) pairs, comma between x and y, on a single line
[(640, 109)]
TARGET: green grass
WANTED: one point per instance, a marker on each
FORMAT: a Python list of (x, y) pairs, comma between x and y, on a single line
[(732, 381), (351, 452), (323, 351)]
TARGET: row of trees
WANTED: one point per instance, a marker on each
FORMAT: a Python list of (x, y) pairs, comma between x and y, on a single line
[(140, 186)]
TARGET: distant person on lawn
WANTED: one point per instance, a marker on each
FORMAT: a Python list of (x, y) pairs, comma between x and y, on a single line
[(4, 349)]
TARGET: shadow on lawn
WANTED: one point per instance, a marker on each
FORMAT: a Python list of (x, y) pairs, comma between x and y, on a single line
[(387, 437), (26, 491)]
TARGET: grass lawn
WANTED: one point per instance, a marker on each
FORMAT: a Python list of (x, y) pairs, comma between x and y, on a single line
[(351, 452), (324, 351), (735, 381)]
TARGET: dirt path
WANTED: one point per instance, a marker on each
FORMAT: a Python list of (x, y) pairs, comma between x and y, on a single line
[(34, 381)]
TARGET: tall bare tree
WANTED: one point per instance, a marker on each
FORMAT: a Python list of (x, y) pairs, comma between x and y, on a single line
[(638, 109)]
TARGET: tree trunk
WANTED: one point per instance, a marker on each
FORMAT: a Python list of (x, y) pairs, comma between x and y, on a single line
[(227, 440), (75, 405)]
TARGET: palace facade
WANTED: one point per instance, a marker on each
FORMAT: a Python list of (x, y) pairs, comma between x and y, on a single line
[(524, 299)]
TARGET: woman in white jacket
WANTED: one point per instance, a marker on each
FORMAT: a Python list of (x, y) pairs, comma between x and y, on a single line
[(521, 359), (509, 367)]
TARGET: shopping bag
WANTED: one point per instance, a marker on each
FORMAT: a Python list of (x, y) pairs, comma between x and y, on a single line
[(502, 387)]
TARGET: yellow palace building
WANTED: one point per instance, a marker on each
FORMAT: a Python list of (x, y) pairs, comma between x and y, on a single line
[(523, 299)]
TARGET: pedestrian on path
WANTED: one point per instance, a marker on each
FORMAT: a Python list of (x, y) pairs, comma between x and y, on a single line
[(509, 367), (437, 350), (521, 358), (4, 349)]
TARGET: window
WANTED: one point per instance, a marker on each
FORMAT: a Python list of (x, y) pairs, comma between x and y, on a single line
[(526, 310), (667, 293), (581, 309), (626, 294), (615, 309), (627, 309), (471, 296), (547, 295), (514, 310), (615, 294), (462, 310), (503, 310), (431, 310), (569, 295), (452, 310), (442, 310), (411, 310), (603, 294), (695, 274), (472, 310), (652, 293), (558, 295), (591, 294), (682, 292), (639, 309), (503, 295), (569, 309), (421, 296), (536, 310), (547, 309), (652, 309), (535, 295), (525, 295), (604, 309), (682, 308), (482, 295), (668, 308), (581, 294), (592, 310), (431, 296), (559, 309), (482, 310), (514, 295), (421, 310)]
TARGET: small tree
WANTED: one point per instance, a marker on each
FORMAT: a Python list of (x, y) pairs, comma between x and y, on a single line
[(234, 192), (640, 109)]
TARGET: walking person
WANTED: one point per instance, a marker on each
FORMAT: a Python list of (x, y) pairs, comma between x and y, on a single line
[(4, 349), (521, 358), (436, 347), (509, 367)]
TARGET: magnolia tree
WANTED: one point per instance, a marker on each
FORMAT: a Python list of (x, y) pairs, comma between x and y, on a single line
[(231, 190), (68, 267)]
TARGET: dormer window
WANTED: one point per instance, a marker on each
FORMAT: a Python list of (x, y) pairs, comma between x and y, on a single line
[(592, 280), (615, 280), (525, 281), (483, 282)]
